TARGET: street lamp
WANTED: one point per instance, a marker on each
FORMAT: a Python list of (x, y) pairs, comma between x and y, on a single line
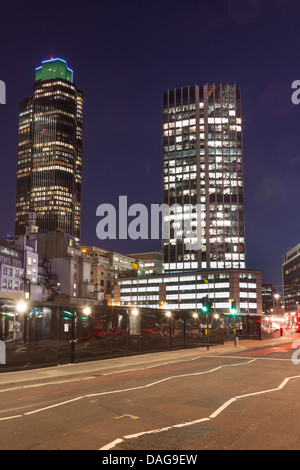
[(87, 311), (21, 307), (135, 312)]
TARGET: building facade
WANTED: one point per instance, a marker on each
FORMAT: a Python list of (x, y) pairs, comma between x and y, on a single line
[(45, 267), (72, 270), (49, 165), (152, 261), (186, 291), (11, 271), (106, 266), (203, 167), (291, 279), (20, 271), (102, 273)]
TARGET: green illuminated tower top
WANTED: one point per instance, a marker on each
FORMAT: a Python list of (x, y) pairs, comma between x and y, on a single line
[(53, 68), (49, 170)]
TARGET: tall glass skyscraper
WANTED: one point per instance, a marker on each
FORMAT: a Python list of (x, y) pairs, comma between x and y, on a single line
[(203, 165), (49, 166)]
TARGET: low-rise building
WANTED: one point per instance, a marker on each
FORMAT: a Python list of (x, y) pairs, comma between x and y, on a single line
[(11, 271), (106, 266), (72, 270), (186, 291), (152, 261), (28, 259)]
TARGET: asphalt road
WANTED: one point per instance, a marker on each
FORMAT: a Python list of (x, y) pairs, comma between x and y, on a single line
[(225, 398)]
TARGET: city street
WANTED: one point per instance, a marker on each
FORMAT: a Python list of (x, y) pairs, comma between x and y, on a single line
[(148, 305), (224, 398)]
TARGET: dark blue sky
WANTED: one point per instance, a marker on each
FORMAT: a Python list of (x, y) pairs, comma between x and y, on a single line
[(125, 54)]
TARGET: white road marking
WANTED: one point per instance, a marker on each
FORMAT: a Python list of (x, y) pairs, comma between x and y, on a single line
[(155, 431), (222, 408), (11, 417), (112, 444), (20, 387), (167, 379), (53, 406), (163, 364), (141, 387), (256, 357), (180, 425), (44, 384), (261, 392), (212, 416)]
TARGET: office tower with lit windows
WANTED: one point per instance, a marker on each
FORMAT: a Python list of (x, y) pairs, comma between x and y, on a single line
[(49, 166), (203, 164), (291, 279)]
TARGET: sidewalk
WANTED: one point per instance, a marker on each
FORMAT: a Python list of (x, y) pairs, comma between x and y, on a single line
[(104, 366)]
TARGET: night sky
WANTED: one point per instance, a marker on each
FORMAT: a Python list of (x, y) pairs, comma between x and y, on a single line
[(125, 54)]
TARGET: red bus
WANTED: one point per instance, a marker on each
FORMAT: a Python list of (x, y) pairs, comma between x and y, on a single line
[(295, 317)]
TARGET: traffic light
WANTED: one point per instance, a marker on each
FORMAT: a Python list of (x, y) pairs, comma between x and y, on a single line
[(206, 305), (233, 307)]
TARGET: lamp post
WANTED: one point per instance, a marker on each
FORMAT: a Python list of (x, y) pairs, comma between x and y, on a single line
[(135, 325), (86, 311), (27, 288), (207, 314), (275, 303), (233, 311), (21, 308), (73, 338), (206, 325), (169, 315)]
